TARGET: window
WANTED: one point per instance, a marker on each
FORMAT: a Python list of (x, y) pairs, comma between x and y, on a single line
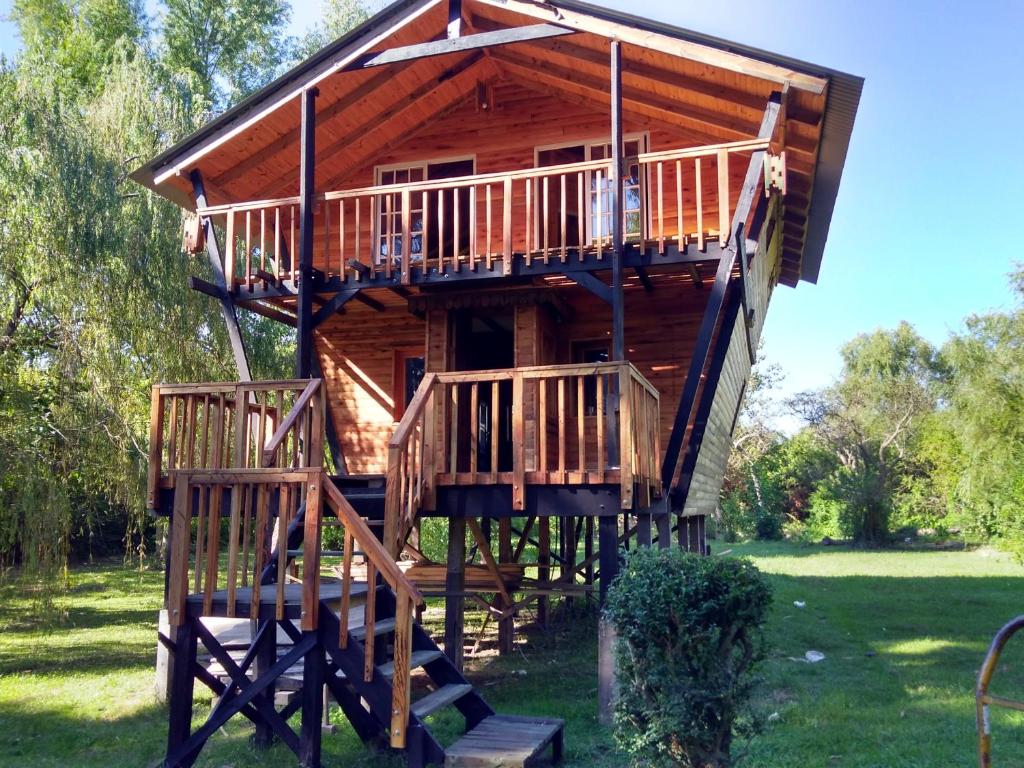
[(410, 367), (634, 191), (389, 213), (388, 219)]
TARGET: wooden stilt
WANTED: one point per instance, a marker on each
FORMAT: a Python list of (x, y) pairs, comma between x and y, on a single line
[(266, 655), (664, 523), (506, 626), (588, 550), (312, 706), (181, 687), (454, 585), (608, 535), (544, 565)]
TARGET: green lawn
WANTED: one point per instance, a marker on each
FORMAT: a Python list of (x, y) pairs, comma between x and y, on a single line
[(903, 633)]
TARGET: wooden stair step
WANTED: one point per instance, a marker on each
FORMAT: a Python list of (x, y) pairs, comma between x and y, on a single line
[(381, 627), (505, 741), (417, 659), (442, 697)]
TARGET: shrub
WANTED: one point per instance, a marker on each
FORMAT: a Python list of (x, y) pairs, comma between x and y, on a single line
[(690, 638)]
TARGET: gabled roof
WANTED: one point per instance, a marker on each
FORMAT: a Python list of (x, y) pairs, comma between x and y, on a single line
[(250, 151)]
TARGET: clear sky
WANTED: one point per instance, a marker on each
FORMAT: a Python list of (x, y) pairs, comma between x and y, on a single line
[(926, 225)]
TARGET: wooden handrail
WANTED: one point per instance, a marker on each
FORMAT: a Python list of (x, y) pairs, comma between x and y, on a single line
[(369, 543), (289, 421), (414, 410)]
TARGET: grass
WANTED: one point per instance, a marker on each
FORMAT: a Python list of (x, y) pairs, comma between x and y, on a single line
[(903, 633)]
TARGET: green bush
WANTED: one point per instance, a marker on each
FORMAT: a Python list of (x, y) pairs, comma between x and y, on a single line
[(690, 639)]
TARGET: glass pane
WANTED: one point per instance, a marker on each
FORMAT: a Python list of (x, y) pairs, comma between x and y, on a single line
[(415, 368)]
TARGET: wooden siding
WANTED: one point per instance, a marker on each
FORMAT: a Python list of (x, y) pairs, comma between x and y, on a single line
[(709, 471), (357, 356)]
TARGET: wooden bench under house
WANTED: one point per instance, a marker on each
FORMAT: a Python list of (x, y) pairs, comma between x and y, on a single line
[(527, 248)]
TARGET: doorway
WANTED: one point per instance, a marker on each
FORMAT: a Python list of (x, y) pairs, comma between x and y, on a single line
[(484, 340)]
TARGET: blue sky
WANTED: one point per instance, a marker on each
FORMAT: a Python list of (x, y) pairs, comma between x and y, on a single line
[(926, 225)]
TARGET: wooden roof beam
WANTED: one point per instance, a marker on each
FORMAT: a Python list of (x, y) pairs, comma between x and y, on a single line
[(639, 70), (687, 49), (460, 44), (334, 145)]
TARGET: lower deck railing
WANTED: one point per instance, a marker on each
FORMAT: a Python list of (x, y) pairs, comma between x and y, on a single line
[(235, 510), (587, 424)]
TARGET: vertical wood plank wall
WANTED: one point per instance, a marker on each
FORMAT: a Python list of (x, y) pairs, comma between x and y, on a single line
[(714, 453)]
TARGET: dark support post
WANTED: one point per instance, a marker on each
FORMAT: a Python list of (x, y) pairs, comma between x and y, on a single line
[(543, 566), (615, 180), (454, 18), (307, 168), (313, 669), (182, 684), (588, 550), (608, 543), (506, 626), (227, 305), (664, 531), (643, 529), (266, 656), (454, 586)]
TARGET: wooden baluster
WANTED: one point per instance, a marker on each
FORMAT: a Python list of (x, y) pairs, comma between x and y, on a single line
[(581, 436), (561, 429), (680, 232), (283, 521), (723, 197), (229, 253), (542, 426), (495, 424), (518, 445), (489, 251), (156, 446), (472, 228), (545, 217), (529, 221), (599, 421), (346, 588), (389, 235), (440, 231), (456, 245), (599, 219), (474, 429), (260, 546), (281, 413), (233, 532), (401, 683), (369, 620), (424, 234), (212, 548), (311, 557), (581, 218), (625, 438), (181, 529), (247, 504), (700, 204), (359, 239), (327, 236), (200, 543), (263, 242), (661, 211), (248, 250), (342, 260), (506, 226), (406, 237), (564, 220), (453, 437), (292, 253), (277, 245)]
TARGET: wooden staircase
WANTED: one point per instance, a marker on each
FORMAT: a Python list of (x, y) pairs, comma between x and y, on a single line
[(357, 637)]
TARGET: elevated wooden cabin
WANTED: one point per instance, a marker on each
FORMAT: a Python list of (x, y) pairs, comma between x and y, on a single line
[(528, 248)]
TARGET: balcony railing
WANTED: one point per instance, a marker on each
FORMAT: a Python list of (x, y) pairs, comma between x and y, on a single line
[(589, 424), (678, 196)]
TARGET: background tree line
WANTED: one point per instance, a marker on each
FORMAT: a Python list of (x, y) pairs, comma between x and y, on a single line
[(94, 305), (910, 439)]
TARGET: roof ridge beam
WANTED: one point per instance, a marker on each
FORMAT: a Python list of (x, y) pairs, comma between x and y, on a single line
[(460, 44)]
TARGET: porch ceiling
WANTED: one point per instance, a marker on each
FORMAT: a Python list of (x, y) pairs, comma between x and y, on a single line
[(709, 94)]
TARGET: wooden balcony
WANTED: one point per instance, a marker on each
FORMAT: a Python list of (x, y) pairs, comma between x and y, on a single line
[(497, 223), (559, 425)]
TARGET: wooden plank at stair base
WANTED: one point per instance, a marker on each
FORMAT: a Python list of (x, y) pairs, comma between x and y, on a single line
[(505, 741)]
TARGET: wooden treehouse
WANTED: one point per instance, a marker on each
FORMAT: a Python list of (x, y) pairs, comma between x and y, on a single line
[(527, 248)]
